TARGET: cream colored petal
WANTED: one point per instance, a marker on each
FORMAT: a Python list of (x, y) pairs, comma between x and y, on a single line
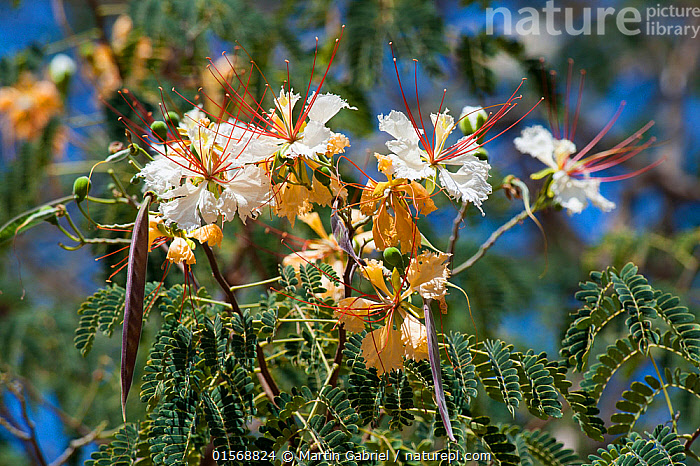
[(428, 274), (383, 350), (414, 336)]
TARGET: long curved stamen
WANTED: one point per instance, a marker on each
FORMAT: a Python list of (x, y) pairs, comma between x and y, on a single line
[(600, 135)]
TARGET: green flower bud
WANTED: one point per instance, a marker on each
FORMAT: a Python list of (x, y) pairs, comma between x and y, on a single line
[(481, 154), (393, 257), (471, 119), (173, 119), (323, 175), (160, 129), (81, 188)]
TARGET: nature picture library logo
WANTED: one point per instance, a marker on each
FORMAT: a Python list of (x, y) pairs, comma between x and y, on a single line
[(658, 20)]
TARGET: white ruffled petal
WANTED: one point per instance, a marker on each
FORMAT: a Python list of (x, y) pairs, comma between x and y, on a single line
[(469, 183), (326, 106), (573, 194), (398, 125), (539, 143), (247, 192), (314, 141), (182, 206), (407, 160), (161, 175)]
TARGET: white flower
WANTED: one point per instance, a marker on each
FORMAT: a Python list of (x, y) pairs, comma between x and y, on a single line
[(571, 193), (206, 174), (297, 138), (161, 175), (410, 161), (246, 193), (184, 205), (539, 143)]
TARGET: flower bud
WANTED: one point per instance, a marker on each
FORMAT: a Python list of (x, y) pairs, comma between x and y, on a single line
[(323, 175), (481, 154), (392, 256), (81, 188), (471, 119), (160, 129), (173, 119), (115, 146), (61, 70)]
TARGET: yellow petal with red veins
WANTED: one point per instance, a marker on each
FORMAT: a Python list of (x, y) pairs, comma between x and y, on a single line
[(420, 198), (383, 350), (384, 229), (406, 230), (354, 312), (293, 200), (153, 231), (368, 201), (374, 272)]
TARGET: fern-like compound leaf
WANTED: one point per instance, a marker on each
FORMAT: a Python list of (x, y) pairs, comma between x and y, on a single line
[(538, 385), (101, 309), (498, 374), (637, 298), (122, 451), (682, 322)]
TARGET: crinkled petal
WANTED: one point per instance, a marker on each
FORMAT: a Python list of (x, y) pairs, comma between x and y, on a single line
[(161, 175), (258, 149), (407, 160), (187, 203), (325, 106), (573, 194), (428, 274), (414, 337), (247, 192), (383, 350), (538, 142), (314, 142), (469, 182), (399, 126), (354, 312)]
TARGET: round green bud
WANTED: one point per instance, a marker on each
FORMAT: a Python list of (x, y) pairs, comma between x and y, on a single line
[(392, 256), (323, 175), (81, 188), (481, 154), (160, 129), (471, 119), (173, 119)]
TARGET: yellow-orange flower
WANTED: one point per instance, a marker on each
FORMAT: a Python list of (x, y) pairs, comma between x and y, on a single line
[(402, 333), (210, 234), (388, 204), (180, 251), (29, 105)]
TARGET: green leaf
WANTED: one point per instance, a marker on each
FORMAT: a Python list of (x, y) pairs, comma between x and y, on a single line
[(32, 218)]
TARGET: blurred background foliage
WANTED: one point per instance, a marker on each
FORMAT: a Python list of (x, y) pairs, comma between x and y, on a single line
[(56, 126)]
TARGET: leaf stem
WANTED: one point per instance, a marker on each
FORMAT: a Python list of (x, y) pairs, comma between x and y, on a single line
[(663, 387), (490, 242)]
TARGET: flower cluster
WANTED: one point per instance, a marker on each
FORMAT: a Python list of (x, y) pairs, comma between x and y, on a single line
[(210, 166)]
